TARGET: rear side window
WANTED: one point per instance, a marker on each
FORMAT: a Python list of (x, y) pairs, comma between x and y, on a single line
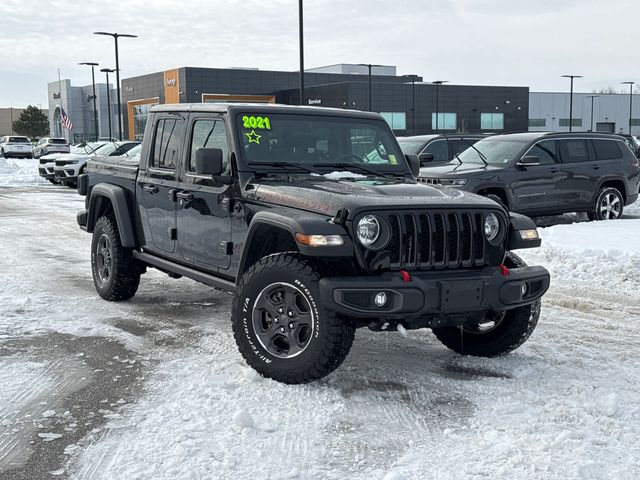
[(166, 147), (607, 149), (545, 151), (439, 150), (574, 151)]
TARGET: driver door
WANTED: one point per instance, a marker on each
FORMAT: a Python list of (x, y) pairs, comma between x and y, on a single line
[(536, 187)]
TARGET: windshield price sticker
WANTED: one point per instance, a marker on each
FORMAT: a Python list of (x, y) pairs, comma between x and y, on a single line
[(252, 122)]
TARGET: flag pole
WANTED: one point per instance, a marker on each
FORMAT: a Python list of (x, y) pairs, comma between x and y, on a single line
[(60, 100)]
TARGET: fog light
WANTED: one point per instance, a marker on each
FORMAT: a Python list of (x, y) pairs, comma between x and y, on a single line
[(523, 289), (381, 299)]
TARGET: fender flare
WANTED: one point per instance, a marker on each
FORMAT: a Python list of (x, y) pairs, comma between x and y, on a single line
[(296, 223), (121, 208)]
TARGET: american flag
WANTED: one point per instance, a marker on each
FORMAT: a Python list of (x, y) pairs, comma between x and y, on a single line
[(65, 120)]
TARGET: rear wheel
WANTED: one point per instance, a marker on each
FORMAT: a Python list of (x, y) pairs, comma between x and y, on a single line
[(608, 205), (281, 328), (499, 333), (116, 274)]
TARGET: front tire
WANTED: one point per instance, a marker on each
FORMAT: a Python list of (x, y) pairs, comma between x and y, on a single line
[(116, 274), (500, 333), (608, 205), (281, 328)]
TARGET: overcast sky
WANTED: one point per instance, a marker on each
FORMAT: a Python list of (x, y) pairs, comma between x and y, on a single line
[(482, 42)]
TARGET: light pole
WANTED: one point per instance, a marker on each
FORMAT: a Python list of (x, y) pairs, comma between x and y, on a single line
[(571, 99), (115, 37), (413, 79), (301, 40), (370, 66), (437, 83), (108, 71), (631, 84), (592, 97), (93, 83)]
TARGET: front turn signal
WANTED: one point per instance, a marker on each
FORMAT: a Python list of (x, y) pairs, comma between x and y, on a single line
[(319, 240)]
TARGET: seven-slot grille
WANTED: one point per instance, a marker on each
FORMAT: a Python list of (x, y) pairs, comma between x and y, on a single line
[(445, 239)]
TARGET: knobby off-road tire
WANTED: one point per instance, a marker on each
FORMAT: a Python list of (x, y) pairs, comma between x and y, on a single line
[(116, 274), (608, 205), (281, 328), (503, 332)]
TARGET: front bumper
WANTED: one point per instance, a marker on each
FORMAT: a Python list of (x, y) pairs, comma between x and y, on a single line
[(66, 173), (436, 294)]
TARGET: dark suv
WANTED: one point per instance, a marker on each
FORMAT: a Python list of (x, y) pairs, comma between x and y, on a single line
[(547, 173), (437, 149)]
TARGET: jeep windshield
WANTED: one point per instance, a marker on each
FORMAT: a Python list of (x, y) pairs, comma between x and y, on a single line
[(319, 143), (496, 151)]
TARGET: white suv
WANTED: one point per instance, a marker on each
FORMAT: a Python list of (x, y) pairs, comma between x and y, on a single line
[(16, 147), (49, 145), (47, 163)]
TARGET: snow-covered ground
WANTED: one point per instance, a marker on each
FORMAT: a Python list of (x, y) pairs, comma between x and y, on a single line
[(154, 388), (19, 171)]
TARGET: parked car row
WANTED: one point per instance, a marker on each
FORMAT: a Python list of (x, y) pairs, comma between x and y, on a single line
[(65, 168), (546, 173)]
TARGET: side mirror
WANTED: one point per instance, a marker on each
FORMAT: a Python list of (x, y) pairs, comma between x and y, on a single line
[(414, 164), (425, 158), (529, 161), (209, 161)]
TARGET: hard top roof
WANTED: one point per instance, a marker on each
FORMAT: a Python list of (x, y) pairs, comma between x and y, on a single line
[(260, 107)]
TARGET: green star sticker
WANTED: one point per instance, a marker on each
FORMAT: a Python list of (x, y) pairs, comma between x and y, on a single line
[(253, 137)]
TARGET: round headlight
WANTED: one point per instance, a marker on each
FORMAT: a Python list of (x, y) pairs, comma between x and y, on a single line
[(491, 226), (368, 230)]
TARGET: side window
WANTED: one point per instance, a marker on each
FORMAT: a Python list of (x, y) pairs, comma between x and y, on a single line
[(574, 151), (606, 149), (166, 147), (439, 150), (545, 151), (208, 134)]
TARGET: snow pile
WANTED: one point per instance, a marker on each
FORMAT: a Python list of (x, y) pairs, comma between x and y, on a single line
[(19, 172)]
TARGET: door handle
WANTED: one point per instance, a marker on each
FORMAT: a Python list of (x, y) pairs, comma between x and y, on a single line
[(150, 188), (595, 166), (185, 196), (553, 170)]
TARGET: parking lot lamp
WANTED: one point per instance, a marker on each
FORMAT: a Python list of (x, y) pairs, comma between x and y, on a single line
[(592, 97), (413, 79), (370, 67), (115, 37), (108, 71), (571, 99), (93, 84), (631, 84), (437, 83), (301, 40)]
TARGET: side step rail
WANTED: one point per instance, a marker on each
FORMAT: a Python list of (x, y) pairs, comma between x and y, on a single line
[(188, 272)]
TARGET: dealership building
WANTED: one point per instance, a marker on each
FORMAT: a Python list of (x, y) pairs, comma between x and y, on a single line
[(598, 112), (77, 103), (408, 104)]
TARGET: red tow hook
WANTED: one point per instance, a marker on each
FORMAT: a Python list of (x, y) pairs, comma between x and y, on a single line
[(405, 276), (504, 270)]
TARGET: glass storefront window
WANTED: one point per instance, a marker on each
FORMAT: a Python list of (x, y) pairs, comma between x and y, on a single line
[(492, 121), (140, 115), (396, 120), (446, 121)]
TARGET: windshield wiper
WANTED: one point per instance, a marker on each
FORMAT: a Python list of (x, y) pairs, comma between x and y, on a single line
[(347, 167), (280, 165), (480, 154)]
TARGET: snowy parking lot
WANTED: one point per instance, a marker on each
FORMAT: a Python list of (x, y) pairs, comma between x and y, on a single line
[(154, 388)]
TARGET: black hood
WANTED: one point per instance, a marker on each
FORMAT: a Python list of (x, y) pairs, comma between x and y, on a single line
[(326, 196)]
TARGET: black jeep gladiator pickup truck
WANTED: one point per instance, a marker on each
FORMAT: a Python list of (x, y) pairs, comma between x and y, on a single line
[(313, 219)]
